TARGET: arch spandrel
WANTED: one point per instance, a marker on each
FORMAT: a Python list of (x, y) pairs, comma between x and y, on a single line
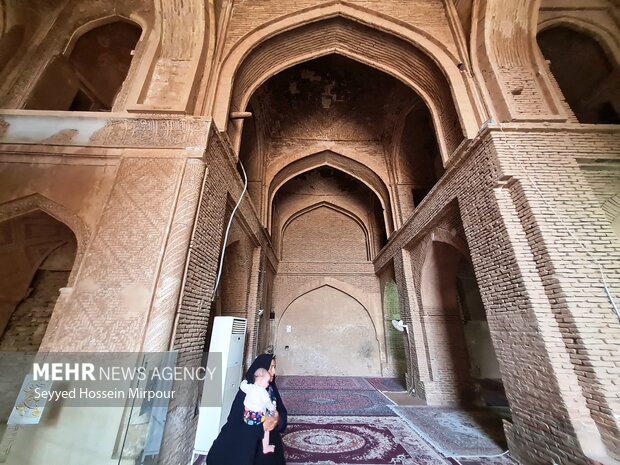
[(181, 44)]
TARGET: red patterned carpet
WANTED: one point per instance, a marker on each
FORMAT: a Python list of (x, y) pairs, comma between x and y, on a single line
[(345, 421), (335, 402), (332, 383), (356, 440)]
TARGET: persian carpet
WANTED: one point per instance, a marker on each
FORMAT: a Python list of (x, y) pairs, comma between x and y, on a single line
[(335, 402), (341, 383), (457, 432), (355, 441), (387, 384)]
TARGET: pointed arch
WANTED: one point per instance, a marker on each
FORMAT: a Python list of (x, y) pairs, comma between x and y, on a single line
[(315, 327), (335, 208), (103, 21), (337, 161), (402, 52), (34, 202), (341, 286), (606, 38), (506, 59)]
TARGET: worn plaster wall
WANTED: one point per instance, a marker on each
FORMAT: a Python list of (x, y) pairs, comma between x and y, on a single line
[(311, 331)]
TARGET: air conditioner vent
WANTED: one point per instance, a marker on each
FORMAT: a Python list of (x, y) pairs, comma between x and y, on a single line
[(238, 326)]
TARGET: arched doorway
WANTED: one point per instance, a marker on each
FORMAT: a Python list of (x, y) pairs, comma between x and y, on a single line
[(463, 365)]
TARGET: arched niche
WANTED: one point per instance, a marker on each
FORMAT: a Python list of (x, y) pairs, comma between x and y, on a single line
[(449, 362), (88, 75), (324, 232), (327, 327), (39, 253), (310, 210), (585, 71)]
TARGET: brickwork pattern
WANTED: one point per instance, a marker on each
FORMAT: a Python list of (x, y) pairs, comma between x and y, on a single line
[(121, 264), (180, 49), (428, 16), (361, 162), (511, 66), (161, 318), (26, 328), (571, 279), (554, 333), (204, 252), (439, 320), (386, 53), (324, 234), (237, 272), (515, 315), (418, 374), (221, 184)]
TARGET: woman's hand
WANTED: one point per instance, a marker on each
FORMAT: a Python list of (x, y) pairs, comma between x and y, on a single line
[(271, 422)]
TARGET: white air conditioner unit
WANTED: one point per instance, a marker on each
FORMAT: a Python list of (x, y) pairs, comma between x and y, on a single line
[(228, 338)]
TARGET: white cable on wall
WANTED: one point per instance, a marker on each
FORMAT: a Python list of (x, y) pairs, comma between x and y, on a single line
[(232, 215), (506, 452)]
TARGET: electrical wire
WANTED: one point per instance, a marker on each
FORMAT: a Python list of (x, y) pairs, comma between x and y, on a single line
[(566, 227), (232, 215), (480, 456)]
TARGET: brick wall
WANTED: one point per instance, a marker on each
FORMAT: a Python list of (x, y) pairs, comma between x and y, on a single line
[(222, 186), (527, 317), (324, 234), (548, 206), (429, 16), (26, 328)]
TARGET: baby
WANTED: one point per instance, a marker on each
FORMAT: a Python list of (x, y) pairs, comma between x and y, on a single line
[(258, 403)]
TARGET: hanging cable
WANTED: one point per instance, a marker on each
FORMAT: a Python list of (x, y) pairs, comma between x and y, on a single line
[(507, 452), (232, 215), (566, 227)]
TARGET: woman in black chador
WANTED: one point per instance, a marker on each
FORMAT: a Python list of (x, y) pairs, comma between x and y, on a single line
[(240, 443)]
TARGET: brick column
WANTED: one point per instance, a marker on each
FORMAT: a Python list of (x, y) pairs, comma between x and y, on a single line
[(108, 308), (252, 307), (165, 301), (419, 376), (558, 197)]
